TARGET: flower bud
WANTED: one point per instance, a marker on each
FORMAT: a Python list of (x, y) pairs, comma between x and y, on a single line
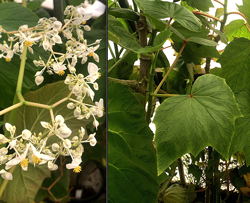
[(26, 134), (39, 79)]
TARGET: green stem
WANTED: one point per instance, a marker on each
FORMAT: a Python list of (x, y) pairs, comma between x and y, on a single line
[(171, 67), (21, 72), (165, 95), (20, 97), (5, 182)]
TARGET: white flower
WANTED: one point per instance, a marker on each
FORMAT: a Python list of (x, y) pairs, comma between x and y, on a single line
[(37, 156), (93, 72), (3, 151), (59, 119), (64, 131), (71, 105), (26, 134), (19, 159), (10, 128), (52, 166), (12, 143), (75, 163), (82, 132), (6, 175), (55, 147), (99, 108), (67, 143), (95, 10), (95, 123), (39, 79), (92, 140), (58, 67), (3, 139)]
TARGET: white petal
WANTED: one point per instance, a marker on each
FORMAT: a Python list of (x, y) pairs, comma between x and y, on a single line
[(45, 124), (59, 119)]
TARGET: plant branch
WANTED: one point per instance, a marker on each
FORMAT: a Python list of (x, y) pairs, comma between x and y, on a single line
[(219, 2), (171, 67), (15, 106), (38, 105), (206, 15), (165, 95)]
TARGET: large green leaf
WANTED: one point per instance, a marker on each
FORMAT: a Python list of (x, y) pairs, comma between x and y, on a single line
[(161, 9), (25, 184), (235, 63), (188, 123), (132, 162), (200, 4), (13, 15), (236, 29), (29, 118)]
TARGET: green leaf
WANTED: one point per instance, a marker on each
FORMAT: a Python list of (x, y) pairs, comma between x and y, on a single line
[(25, 184), (245, 9), (124, 13), (123, 68), (121, 36), (161, 38), (13, 15), (132, 162), (235, 63), (200, 37), (237, 29), (155, 23), (202, 41), (160, 9), (200, 4), (193, 52), (188, 123)]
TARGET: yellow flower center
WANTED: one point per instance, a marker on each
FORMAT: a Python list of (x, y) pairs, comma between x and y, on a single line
[(91, 54), (61, 72), (35, 159), (84, 22), (7, 59), (24, 162), (28, 43), (77, 169)]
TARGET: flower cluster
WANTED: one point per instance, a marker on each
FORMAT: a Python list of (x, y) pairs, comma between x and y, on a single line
[(44, 147), (57, 138)]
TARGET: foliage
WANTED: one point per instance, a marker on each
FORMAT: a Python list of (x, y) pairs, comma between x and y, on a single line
[(201, 113)]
